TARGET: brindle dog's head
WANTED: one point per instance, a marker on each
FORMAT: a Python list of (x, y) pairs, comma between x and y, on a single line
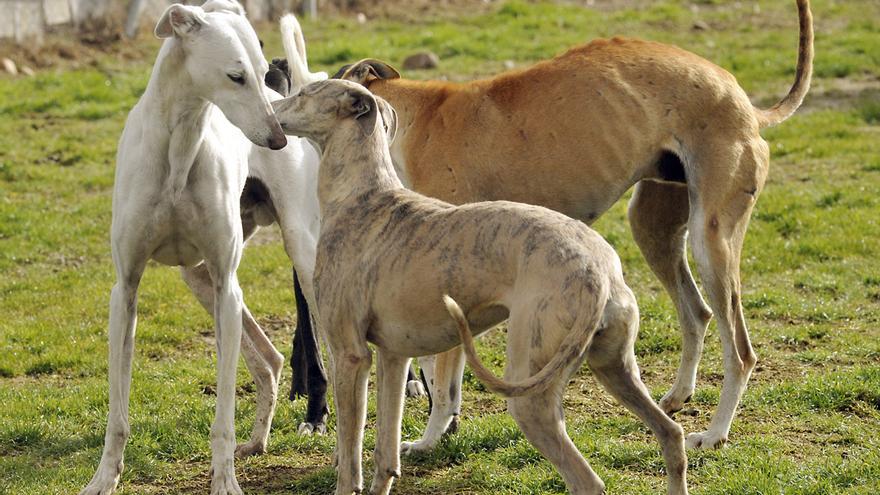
[(323, 108)]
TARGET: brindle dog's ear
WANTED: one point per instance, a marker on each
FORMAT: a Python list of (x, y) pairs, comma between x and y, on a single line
[(363, 108), (389, 118), (367, 71)]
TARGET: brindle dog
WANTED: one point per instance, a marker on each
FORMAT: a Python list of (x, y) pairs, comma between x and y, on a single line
[(387, 257)]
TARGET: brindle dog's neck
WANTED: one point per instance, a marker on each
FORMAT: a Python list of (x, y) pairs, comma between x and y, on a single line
[(354, 165)]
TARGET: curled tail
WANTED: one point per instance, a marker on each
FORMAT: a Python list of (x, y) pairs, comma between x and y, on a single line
[(572, 347), (787, 106), (295, 51)]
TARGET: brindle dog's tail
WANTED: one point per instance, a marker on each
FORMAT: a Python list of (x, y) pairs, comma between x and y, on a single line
[(572, 347), (785, 108)]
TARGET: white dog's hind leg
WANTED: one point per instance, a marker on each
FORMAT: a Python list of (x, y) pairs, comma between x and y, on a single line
[(262, 359), (227, 316), (123, 320), (391, 371), (443, 372), (414, 386)]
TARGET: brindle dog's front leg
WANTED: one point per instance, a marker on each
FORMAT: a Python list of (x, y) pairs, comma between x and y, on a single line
[(391, 372), (351, 370)]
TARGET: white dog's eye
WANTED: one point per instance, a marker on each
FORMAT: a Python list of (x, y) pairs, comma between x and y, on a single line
[(237, 78)]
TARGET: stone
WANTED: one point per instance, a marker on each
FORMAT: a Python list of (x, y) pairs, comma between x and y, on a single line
[(421, 60), (701, 26), (9, 66), (28, 71)]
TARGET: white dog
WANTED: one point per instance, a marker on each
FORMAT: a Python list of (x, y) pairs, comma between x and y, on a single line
[(181, 168)]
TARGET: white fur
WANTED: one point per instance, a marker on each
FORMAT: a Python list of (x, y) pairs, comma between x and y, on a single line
[(295, 50)]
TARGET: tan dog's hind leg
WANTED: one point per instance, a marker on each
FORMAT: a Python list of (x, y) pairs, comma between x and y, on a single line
[(613, 363), (444, 384), (730, 180), (391, 371), (262, 359), (658, 215)]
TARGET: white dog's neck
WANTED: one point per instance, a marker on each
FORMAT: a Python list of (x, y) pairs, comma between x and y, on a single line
[(171, 100), (351, 168)]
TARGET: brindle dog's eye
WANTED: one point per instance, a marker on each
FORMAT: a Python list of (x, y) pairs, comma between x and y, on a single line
[(237, 78)]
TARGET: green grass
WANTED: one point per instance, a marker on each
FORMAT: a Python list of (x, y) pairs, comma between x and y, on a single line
[(808, 423)]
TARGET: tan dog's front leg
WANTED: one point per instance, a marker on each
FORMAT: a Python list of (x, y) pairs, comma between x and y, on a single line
[(392, 374), (351, 371)]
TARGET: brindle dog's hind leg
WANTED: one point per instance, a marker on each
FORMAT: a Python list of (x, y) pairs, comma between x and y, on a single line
[(613, 362)]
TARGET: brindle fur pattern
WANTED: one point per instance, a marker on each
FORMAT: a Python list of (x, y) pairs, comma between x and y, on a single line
[(387, 256)]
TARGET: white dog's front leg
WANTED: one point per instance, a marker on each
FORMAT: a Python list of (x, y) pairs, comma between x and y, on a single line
[(227, 315), (443, 372), (123, 319)]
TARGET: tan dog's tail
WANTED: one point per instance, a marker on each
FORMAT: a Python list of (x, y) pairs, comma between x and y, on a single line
[(572, 347), (785, 108), (295, 51)]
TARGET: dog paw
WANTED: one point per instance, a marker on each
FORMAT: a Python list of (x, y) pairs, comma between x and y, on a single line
[(705, 440), (414, 448), (99, 488), (223, 482), (250, 448), (673, 402), (103, 482), (311, 428), (415, 388)]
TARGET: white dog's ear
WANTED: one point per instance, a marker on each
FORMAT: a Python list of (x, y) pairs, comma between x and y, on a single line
[(179, 20), (363, 109)]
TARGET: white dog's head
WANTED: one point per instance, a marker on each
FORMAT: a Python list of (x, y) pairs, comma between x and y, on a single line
[(225, 65)]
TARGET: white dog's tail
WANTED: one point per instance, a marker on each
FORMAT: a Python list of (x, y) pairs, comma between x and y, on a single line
[(572, 347), (295, 51), (785, 108)]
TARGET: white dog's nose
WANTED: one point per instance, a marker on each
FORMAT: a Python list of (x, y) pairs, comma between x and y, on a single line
[(277, 140)]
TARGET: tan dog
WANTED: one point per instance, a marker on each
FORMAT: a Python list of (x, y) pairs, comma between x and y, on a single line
[(386, 257), (576, 132)]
